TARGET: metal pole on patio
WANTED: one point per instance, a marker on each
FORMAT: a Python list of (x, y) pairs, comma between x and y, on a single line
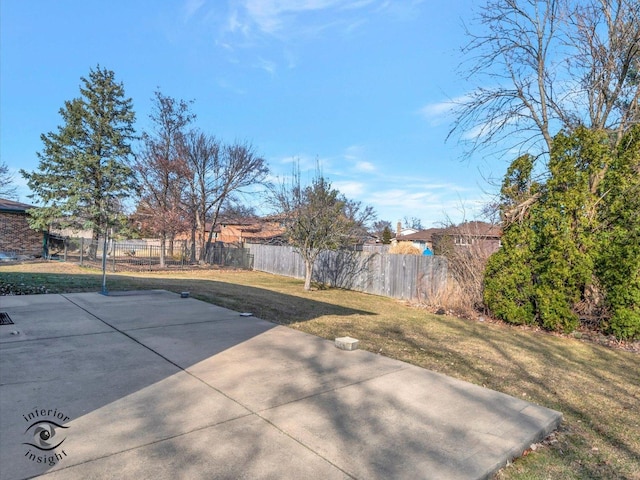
[(104, 262)]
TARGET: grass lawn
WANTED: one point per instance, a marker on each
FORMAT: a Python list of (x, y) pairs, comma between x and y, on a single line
[(595, 387)]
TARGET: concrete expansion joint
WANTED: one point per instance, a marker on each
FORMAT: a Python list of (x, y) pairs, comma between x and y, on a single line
[(62, 337), (165, 325), (322, 392)]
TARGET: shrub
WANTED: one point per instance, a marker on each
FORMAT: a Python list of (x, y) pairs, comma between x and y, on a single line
[(625, 323), (554, 309), (404, 248), (508, 290)]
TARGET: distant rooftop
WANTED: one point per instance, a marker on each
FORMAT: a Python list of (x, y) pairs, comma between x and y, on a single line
[(7, 205)]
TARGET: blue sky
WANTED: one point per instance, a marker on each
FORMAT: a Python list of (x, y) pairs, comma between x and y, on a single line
[(363, 86)]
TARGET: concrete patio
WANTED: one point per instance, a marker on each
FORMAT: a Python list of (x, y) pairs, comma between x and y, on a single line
[(151, 385)]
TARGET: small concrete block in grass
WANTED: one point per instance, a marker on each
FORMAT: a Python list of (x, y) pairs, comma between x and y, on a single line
[(347, 343)]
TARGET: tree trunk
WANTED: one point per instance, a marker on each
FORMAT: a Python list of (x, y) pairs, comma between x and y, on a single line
[(93, 247), (163, 246), (192, 257), (308, 264), (202, 227)]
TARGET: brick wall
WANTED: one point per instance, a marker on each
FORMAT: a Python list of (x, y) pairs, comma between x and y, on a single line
[(17, 237)]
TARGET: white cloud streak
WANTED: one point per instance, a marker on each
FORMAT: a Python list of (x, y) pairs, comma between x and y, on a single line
[(191, 7)]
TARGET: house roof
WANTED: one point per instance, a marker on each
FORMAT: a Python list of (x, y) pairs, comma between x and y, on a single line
[(247, 229), (472, 229), (12, 206), (475, 229), (422, 235)]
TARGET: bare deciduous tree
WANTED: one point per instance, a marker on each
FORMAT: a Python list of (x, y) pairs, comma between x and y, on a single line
[(550, 65), (202, 153), (216, 173), (318, 218), (162, 171)]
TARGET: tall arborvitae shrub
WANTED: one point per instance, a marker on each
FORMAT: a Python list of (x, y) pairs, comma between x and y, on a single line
[(508, 282), (577, 233), (566, 223), (508, 285), (618, 262)]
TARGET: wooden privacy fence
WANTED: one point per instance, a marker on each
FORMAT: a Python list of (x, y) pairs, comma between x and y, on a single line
[(406, 277)]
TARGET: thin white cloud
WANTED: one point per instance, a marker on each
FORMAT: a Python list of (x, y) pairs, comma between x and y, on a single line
[(441, 112), (269, 15), (433, 208), (234, 24), (267, 65), (367, 167), (350, 189), (308, 164), (191, 7), (353, 152), (282, 17), (437, 109), (222, 83)]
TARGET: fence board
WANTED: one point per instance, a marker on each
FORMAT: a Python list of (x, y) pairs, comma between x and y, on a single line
[(406, 277)]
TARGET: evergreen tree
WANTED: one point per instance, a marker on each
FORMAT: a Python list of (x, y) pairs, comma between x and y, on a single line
[(83, 176), (618, 261), (576, 234), (386, 236), (566, 225), (7, 188), (508, 289)]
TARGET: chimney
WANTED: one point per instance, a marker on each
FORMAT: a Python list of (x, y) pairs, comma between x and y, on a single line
[(398, 229)]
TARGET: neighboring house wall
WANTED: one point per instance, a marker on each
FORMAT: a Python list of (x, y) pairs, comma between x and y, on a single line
[(484, 237), (422, 240), (16, 236), (256, 231)]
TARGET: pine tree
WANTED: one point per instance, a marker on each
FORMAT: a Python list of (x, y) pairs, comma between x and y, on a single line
[(386, 236), (83, 175)]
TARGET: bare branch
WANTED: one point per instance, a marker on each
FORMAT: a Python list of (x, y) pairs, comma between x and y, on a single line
[(545, 66)]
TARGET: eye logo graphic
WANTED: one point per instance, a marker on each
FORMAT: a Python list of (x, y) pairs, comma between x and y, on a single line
[(45, 435), (46, 432)]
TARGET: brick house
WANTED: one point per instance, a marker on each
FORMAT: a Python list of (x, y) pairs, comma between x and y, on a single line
[(482, 236), (237, 231), (15, 235), (251, 230), (485, 237), (422, 240)]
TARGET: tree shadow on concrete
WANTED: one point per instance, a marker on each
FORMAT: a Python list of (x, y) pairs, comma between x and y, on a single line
[(159, 389), (265, 303)]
